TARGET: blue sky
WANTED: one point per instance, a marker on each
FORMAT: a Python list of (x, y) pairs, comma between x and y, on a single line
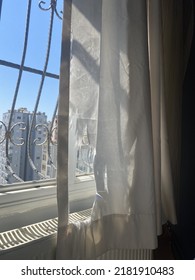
[(12, 27)]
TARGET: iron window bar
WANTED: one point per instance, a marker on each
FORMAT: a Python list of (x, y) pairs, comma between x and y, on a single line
[(10, 127), (28, 69), (52, 8)]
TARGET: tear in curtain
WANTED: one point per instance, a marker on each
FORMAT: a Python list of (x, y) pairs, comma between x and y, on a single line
[(117, 87)]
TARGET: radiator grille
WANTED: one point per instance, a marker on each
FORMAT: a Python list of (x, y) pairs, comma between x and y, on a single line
[(16, 237), (25, 238)]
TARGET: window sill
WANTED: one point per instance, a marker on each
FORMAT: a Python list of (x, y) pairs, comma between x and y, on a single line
[(29, 203)]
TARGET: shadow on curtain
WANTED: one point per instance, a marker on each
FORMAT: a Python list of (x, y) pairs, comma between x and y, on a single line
[(121, 78)]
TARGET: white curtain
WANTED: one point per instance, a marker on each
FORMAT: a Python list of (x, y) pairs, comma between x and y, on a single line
[(114, 84)]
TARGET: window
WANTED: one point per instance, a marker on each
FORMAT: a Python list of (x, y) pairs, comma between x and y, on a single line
[(29, 107), (28, 104)]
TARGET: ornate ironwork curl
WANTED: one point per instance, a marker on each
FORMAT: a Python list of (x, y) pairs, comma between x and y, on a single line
[(53, 5), (2, 139), (46, 138), (53, 142), (9, 133), (12, 129), (88, 161)]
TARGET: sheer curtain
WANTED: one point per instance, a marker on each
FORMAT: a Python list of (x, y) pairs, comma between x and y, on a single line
[(121, 80)]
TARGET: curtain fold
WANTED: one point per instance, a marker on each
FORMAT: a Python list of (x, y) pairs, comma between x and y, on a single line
[(125, 91)]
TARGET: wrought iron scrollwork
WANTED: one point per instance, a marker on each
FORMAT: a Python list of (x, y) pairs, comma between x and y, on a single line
[(7, 136), (20, 128), (3, 135), (53, 5), (36, 140)]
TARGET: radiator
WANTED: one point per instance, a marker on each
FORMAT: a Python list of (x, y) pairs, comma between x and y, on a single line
[(38, 241)]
